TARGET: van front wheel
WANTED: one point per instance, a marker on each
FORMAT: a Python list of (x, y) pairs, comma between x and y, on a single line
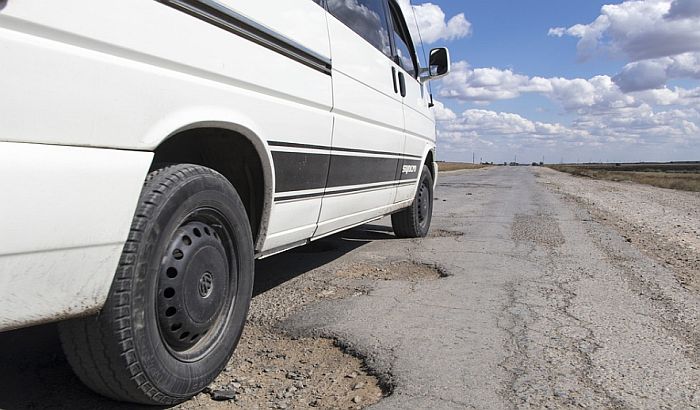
[(414, 221), (179, 299)]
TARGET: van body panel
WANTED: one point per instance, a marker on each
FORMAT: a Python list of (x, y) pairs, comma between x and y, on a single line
[(90, 89)]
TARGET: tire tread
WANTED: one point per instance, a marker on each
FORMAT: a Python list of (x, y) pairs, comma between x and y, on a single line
[(88, 342), (405, 222)]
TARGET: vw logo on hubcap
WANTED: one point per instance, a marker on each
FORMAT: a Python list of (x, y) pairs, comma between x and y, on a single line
[(206, 285)]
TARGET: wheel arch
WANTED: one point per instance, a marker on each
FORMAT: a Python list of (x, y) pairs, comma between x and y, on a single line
[(236, 152), (431, 164)]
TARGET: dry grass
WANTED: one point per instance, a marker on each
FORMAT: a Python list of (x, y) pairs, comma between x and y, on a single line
[(660, 176), (456, 166)]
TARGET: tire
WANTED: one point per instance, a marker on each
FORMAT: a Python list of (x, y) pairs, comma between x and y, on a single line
[(414, 221), (180, 296)]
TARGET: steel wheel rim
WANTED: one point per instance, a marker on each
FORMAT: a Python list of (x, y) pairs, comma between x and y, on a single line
[(196, 285)]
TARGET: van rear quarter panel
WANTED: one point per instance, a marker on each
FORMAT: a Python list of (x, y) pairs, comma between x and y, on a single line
[(126, 75)]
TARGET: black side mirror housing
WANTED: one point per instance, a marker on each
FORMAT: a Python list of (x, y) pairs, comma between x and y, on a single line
[(439, 65)]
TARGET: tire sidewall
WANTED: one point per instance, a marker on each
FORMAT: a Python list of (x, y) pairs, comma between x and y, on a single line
[(168, 374), (423, 229)]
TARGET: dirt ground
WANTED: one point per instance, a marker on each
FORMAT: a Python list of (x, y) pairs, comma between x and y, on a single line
[(271, 369)]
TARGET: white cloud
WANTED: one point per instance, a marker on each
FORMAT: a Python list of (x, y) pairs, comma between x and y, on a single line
[(486, 84), (497, 134), (557, 32), (603, 112), (655, 73), (681, 9), (620, 115), (640, 29), (660, 38), (443, 113), (501, 126), (483, 85), (433, 22), (611, 135), (641, 83)]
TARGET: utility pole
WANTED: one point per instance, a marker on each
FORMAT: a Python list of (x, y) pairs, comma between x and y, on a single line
[(473, 157)]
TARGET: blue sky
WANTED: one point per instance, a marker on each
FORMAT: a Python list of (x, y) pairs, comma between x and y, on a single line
[(574, 80)]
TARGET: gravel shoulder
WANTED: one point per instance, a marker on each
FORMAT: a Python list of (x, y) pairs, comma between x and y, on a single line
[(662, 222)]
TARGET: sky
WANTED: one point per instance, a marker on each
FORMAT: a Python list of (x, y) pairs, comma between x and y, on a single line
[(566, 80)]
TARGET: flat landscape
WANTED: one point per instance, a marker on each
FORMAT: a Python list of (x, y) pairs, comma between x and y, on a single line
[(458, 166), (681, 176), (535, 289)]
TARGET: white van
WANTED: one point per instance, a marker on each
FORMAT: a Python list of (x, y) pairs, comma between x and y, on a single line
[(257, 126)]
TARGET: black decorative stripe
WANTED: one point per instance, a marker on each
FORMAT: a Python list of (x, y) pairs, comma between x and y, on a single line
[(351, 171), (298, 171), (327, 148), (344, 191), (227, 19)]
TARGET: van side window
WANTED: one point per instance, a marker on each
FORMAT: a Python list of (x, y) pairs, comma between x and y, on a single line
[(405, 54), (365, 17)]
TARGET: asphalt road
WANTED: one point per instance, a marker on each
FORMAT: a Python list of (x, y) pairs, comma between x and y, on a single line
[(544, 306)]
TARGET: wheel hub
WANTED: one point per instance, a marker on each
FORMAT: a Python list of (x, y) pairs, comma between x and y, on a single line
[(206, 285), (193, 285)]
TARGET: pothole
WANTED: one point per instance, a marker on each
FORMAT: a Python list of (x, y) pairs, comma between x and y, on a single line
[(399, 270), (273, 370), (540, 229)]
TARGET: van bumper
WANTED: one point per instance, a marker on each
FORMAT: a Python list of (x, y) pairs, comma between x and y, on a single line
[(65, 215)]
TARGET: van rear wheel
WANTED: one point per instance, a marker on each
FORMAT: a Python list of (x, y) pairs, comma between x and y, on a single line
[(179, 299), (414, 221)]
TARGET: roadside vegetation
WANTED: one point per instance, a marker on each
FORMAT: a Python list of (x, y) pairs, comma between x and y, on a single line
[(456, 166), (679, 176)]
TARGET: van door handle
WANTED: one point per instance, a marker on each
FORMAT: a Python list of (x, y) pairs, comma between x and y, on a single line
[(402, 84), (393, 77)]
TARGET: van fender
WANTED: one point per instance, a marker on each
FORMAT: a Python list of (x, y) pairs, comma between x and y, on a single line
[(225, 119)]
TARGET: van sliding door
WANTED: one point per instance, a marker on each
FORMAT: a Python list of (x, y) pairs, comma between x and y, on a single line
[(419, 126), (368, 134)]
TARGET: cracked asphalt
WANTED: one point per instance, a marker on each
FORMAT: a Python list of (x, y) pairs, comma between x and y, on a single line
[(529, 293), (545, 306)]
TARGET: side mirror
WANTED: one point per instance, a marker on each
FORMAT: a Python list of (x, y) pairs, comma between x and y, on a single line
[(439, 65)]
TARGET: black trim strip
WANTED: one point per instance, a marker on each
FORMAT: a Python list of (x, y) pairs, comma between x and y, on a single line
[(303, 171), (217, 14), (353, 171), (345, 191), (327, 148), (298, 171)]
